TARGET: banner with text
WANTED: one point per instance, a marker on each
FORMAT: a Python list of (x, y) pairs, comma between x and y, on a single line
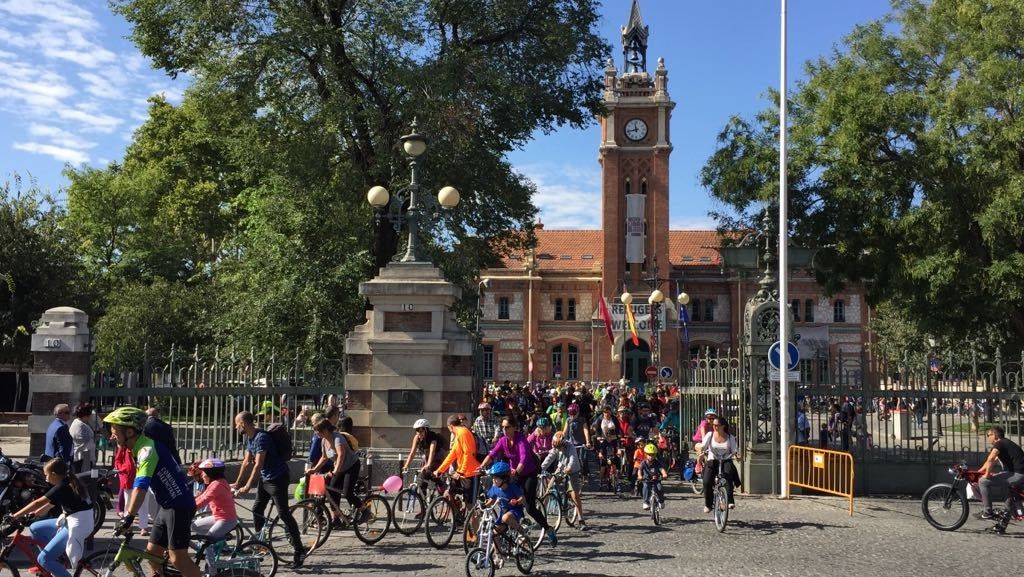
[(642, 314)]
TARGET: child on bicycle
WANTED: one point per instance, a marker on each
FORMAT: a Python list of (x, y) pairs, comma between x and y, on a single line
[(509, 496), (223, 517), (650, 474), (566, 461), (67, 533)]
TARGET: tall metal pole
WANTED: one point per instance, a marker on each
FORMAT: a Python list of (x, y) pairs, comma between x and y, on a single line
[(784, 408)]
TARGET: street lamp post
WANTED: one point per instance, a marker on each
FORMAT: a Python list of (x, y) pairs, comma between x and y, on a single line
[(626, 299), (478, 339), (655, 300), (683, 299), (422, 210)]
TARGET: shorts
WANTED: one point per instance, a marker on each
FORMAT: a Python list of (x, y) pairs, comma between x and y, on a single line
[(574, 483), (175, 524)]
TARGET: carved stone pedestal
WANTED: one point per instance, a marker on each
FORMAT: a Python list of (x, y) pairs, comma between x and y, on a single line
[(411, 359)]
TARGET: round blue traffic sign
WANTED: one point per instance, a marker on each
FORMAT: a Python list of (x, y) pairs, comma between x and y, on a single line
[(666, 372), (774, 354)]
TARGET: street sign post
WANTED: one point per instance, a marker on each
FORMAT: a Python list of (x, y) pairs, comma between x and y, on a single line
[(652, 372), (791, 376), (775, 354)]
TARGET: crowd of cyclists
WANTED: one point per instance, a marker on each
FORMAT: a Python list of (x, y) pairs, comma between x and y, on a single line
[(521, 437)]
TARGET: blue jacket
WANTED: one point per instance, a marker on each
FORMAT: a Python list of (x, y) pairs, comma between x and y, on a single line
[(58, 441)]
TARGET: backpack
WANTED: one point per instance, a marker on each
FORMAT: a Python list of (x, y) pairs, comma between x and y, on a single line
[(482, 447), (352, 441), (282, 440)]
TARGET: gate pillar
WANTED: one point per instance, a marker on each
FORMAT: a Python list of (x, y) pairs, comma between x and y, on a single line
[(411, 359), (61, 347)]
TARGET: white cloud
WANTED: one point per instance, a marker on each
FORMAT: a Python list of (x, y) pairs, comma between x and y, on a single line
[(32, 85), (60, 153), (97, 121), (53, 11), (568, 196), (60, 137)]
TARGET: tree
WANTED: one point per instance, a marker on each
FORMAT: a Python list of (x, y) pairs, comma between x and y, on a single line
[(38, 266), (907, 154), (352, 74)]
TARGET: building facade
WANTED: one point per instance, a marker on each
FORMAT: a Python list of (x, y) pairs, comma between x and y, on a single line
[(539, 313)]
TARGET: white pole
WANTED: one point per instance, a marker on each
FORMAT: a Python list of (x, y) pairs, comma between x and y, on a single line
[(784, 411)]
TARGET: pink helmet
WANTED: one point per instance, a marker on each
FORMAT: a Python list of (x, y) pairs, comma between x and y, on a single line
[(574, 409)]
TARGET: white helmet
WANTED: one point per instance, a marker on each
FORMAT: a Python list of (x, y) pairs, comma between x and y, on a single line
[(421, 424)]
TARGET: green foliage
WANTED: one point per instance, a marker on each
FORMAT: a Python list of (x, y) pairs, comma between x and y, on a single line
[(906, 157), (38, 266)]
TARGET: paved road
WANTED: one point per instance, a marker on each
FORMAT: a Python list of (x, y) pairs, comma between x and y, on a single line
[(766, 536)]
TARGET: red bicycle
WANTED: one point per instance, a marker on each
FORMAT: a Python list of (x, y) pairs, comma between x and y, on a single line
[(28, 546)]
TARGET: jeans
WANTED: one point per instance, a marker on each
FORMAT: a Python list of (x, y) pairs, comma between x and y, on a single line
[(711, 470), (278, 491), (1000, 479), (529, 486), (68, 540), (657, 490)]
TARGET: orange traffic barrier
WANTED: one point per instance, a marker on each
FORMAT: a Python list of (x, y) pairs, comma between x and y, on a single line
[(821, 470)]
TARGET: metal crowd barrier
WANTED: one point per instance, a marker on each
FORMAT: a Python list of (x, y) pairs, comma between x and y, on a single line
[(821, 470)]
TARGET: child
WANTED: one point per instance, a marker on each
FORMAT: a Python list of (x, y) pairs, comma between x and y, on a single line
[(507, 493), (124, 463), (638, 458), (67, 533), (651, 473), (217, 495)]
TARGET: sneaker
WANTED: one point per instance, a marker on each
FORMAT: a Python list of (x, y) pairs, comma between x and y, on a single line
[(552, 538), (988, 514), (998, 529), (583, 526), (336, 525), (732, 505), (299, 558), (707, 509), (363, 516), (646, 507)]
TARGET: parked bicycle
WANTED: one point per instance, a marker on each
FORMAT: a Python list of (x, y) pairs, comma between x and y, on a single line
[(497, 544), (945, 505)]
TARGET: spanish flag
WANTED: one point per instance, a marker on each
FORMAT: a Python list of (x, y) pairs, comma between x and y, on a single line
[(632, 325)]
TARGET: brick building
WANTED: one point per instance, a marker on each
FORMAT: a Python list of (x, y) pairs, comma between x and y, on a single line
[(539, 315)]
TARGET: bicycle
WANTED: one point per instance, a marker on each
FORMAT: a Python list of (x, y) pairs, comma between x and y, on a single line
[(498, 546), (557, 504), (274, 534), (130, 562), (254, 554), (410, 506), (720, 500), (28, 546), (654, 500), (446, 513), (369, 522), (612, 477)]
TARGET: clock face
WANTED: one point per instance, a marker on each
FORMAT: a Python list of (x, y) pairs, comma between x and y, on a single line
[(636, 129)]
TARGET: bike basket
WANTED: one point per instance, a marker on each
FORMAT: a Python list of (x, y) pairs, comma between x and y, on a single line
[(317, 486)]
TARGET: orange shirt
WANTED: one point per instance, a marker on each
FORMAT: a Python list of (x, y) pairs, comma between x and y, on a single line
[(462, 453)]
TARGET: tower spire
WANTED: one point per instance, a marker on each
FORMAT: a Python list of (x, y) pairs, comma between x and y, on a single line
[(634, 41)]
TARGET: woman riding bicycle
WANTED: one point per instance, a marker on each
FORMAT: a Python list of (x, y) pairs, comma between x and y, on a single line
[(431, 446), (720, 448), (343, 476)]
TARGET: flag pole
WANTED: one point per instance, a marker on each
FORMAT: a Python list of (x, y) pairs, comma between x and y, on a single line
[(784, 408)]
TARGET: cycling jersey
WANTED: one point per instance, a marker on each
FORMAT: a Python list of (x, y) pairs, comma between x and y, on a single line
[(158, 471)]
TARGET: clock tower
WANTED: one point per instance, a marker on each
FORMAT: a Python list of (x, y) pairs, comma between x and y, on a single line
[(634, 155)]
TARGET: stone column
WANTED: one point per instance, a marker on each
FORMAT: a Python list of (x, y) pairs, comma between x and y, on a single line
[(61, 346), (411, 359)]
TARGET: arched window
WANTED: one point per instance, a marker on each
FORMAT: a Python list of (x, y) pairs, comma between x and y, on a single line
[(643, 186), (839, 311), (794, 305), (556, 362)]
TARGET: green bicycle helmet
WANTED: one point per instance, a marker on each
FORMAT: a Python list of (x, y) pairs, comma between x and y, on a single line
[(127, 417)]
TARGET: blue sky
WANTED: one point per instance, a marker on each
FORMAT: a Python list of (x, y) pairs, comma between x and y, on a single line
[(73, 88)]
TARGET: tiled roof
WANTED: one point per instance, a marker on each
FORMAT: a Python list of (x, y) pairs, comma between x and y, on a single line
[(583, 249)]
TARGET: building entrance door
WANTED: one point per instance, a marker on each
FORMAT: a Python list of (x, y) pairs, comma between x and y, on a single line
[(635, 360)]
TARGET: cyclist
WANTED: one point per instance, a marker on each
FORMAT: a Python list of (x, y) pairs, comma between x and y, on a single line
[(486, 425), (645, 421), (68, 493), (508, 495), (223, 516), (563, 455), (514, 448), (345, 472), (157, 471), (540, 438), (1011, 456), (608, 446), (333, 415), (650, 473), (703, 428), (462, 454), (720, 448), (430, 445), (261, 453), (577, 430)]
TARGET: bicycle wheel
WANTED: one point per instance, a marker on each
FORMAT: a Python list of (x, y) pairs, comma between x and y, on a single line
[(656, 510), (236, 572), (944, 507), (697, 485), (99, 515), (440, 523), (552, 510), (523, 553), (102, 564), (534, 532), (258, 556), (376, 523), (313, 524), (478, 565), (572, 512), (721, 507), (471, 530), (408, 509)]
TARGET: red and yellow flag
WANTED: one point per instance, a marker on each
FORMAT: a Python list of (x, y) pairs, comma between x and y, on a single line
[(632, 325)]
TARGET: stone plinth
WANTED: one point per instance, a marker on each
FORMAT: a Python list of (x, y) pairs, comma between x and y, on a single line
[(61, 346), (410, 346)]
